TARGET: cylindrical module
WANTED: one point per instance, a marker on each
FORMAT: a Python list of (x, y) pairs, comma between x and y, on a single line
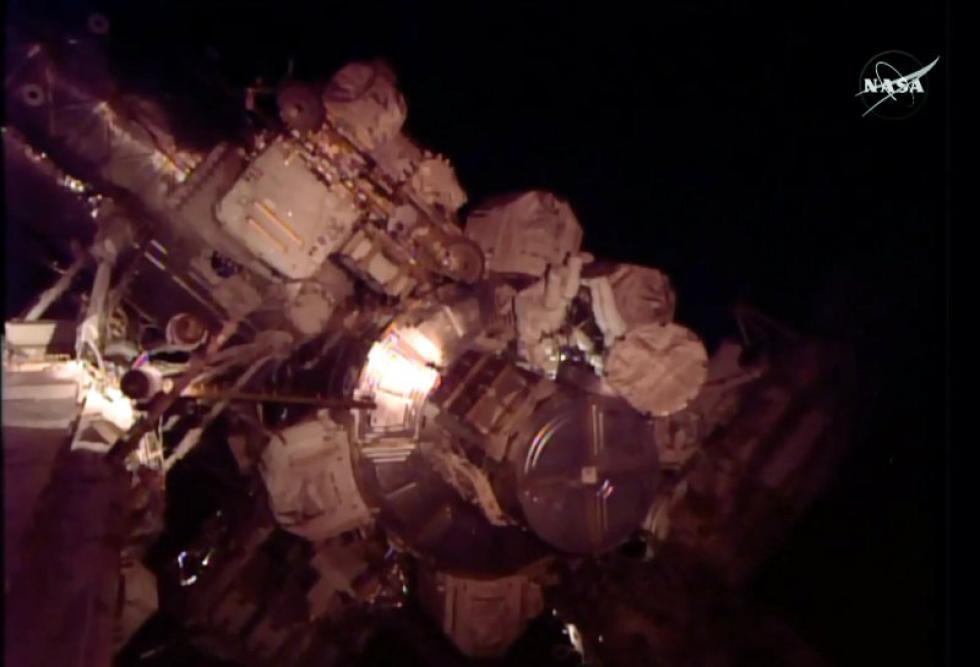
[(62, 96)]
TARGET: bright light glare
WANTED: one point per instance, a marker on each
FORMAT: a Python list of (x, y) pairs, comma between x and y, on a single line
[(112, 405), (399, 374), (575, 638), (391, 371), (422, 345)]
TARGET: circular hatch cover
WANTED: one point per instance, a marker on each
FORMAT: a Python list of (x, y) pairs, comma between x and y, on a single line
[(588, 473)]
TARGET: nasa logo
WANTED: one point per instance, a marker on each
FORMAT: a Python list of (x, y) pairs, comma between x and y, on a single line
[(892, 85)]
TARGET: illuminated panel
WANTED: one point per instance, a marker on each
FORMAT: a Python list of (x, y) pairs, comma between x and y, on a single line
[(400, 373)]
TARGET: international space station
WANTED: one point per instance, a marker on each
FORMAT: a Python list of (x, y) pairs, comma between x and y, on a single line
[(402, 397)]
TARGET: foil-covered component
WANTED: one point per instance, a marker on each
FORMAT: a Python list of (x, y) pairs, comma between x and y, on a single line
[(658, 369), (482, 617), (525, 233), (308, 474), (364, 99)]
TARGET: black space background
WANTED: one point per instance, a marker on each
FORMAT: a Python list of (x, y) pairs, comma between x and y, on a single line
[(723, 144)]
